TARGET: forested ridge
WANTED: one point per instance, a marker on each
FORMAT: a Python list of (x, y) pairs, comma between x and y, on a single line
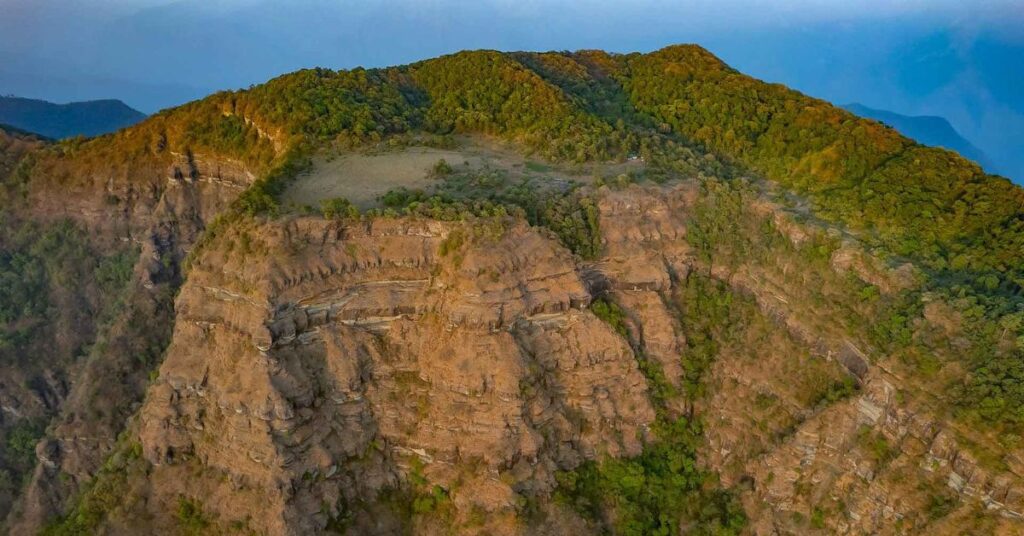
[(681, 111), (678, 107)]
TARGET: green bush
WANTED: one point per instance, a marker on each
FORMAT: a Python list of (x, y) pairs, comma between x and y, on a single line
[(836, 391), (191, 518), (441, 169), (876, 446), (611, 313), (20, 445), (338, 208)]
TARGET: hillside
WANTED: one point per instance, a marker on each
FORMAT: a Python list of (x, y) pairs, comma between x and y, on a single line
[(928, 130), (509, 293), (90, 118)]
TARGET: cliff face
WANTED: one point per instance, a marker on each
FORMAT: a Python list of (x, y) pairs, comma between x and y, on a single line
[(361, 351), (93, 379), (652, 339), (319, 368)]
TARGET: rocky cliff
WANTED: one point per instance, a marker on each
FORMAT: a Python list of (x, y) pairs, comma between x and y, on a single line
[(666, 312), (90, 383), (321, 374)]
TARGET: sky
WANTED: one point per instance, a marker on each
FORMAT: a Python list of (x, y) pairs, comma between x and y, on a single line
[(962, 60)]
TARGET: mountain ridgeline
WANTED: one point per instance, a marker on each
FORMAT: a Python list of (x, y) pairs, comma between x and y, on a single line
[(89, 118), (926, 129), (631, 294)]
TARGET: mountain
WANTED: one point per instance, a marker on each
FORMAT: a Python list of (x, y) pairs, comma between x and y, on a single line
[(509, 293), (14, 144), (926, 129), (90, 118)]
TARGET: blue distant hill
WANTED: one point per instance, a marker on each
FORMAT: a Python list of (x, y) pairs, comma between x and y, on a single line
[(89, 118), (927, 130)]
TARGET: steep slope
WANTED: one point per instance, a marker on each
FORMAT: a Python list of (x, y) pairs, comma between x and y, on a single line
[(14, 144), (457, 367), (102, 239), (90, 118), (928, 130), (798, 321)]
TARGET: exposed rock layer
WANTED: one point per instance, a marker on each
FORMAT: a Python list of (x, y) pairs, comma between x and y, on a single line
[(327, 362), (161, 211)]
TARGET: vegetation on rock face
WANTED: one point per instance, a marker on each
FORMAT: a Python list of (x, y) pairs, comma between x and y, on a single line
[(685, 114), (663, 490), (38, 261), (612, 314), (107, 492), (18, 452), (504, 97), (50, 275), (568, 212), (965, 228)]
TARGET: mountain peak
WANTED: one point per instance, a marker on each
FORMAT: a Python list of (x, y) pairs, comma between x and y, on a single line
[(509, 293), (86, 118)]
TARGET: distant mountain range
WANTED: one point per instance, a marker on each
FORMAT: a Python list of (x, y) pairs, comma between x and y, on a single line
[(11, 129), (89, 118), (927, 130)]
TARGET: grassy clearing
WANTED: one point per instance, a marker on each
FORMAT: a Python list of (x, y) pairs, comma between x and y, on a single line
[(364, 177)]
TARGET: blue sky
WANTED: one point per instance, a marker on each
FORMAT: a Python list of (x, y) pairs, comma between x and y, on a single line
[(957, 59)]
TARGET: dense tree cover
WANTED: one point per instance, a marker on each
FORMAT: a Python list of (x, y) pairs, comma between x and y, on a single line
[(354, 106), (590, 80), (37, 261), (491, 92), (924, 203), (965, 228), (662, 491), (585, 82)]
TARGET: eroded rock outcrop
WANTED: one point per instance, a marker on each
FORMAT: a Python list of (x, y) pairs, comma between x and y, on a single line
[(161, 211), (319, 368), (352, 353)]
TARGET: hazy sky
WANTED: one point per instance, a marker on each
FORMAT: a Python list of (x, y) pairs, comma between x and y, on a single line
[(963, 60)]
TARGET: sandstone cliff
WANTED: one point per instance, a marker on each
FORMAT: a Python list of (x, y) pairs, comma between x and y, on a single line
[(655, 296), (92, 381), (322, 372)]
